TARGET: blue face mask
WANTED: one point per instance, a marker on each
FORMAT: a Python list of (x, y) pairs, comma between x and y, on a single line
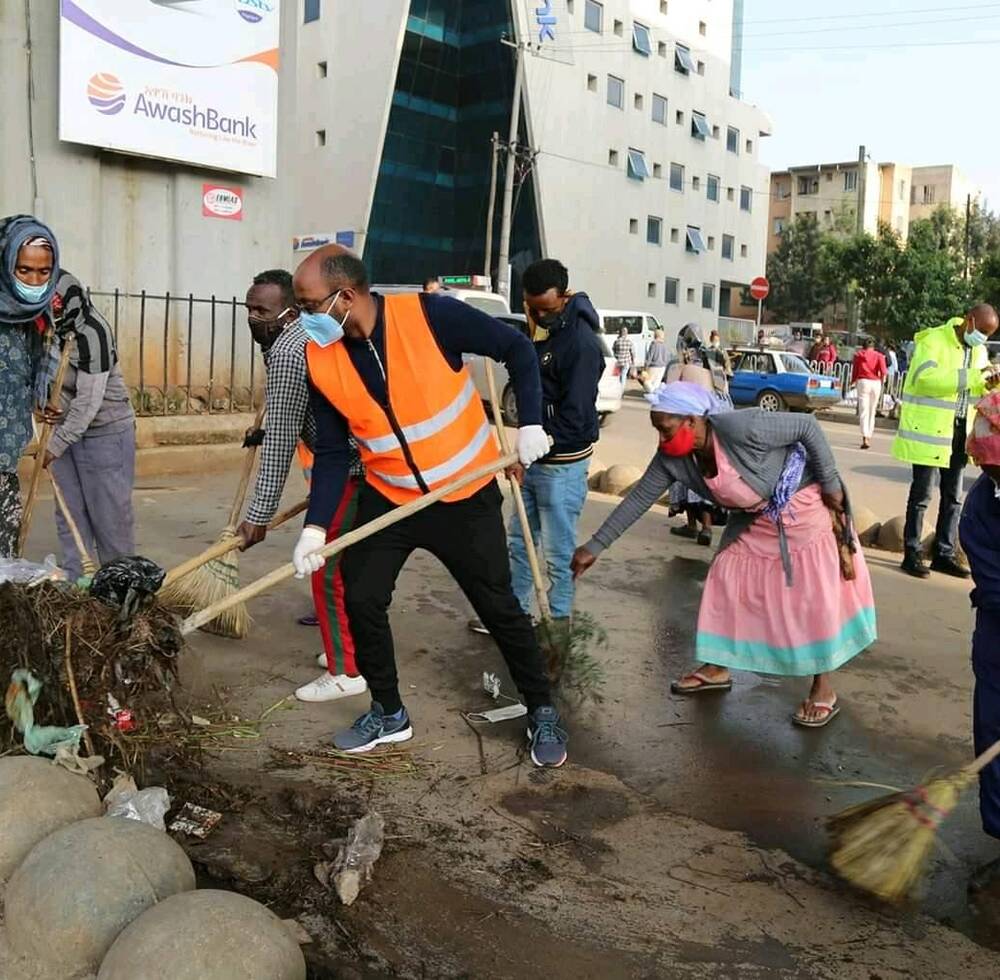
[(30, 294), (324, 328), (975, 338)]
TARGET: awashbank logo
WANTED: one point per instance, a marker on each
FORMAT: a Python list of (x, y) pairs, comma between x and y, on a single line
[(253, 11), (106, 94)]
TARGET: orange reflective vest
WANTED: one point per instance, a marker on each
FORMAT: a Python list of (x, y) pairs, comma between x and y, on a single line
[(432, 431)]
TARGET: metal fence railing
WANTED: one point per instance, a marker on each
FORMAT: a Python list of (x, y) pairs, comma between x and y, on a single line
[(184, 354)]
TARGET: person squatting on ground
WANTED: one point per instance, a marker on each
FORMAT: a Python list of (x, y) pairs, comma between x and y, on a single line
[(389, 369), (868, 374), (775, 599), (564, 328), (979, 532), (949, 366), (29, 260), (92, 450), (274, 325)]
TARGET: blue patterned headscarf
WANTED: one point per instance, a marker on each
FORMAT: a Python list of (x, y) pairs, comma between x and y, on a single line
[(686, 398), (16, 231)]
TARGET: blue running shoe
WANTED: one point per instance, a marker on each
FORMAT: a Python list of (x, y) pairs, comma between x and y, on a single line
[(548, 740), (373, 728)]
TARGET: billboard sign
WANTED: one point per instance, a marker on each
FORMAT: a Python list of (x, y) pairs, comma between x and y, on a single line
[(306, 243), (195, 82)]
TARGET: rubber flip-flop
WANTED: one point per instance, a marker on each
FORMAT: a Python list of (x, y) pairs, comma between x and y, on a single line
[(705, 685), (831, 708)]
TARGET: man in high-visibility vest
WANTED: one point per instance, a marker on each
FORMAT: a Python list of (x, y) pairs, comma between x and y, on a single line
[(389, 370), (950, 365)]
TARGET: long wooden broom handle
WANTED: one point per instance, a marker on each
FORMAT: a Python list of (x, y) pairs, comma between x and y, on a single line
[(89, 567), (982, 761), (44, 435), (522, 513), (227, 544), (241, 489), (345, 541)]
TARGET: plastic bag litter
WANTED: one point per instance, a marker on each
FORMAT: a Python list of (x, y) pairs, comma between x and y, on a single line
[(353, 867), (19, 702), (127, 584), (22, 572), (148, 805)]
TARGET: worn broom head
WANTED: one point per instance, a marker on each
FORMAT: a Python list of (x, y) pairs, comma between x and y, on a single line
[(883, 846), (215, 580)]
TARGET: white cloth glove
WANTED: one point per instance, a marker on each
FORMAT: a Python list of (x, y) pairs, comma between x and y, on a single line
[(304, 557), (532, 444)]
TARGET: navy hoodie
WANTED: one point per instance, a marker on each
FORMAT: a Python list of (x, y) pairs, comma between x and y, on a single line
[(571, 362)]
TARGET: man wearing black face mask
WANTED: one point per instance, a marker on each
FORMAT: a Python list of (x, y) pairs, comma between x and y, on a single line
[(564, 326), (274, 325)]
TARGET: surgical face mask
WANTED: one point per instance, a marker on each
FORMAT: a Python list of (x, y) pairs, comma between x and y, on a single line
[(548, 321), (975, 338), (31, 294), (324, 328)]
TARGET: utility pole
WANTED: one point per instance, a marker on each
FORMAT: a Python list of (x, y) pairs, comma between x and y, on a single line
[(861, 189), (503, 261), (968, 232), (495, 144)]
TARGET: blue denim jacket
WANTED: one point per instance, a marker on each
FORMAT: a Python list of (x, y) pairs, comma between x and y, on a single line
[(20, 357)]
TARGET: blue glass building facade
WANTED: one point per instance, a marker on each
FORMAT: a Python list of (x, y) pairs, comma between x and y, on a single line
[(453, 89)]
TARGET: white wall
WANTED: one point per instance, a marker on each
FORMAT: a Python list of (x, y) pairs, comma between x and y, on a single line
[(360, 40), (586, 204)]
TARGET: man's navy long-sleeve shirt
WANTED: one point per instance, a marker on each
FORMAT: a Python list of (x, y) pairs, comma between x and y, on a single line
[(459, 329)]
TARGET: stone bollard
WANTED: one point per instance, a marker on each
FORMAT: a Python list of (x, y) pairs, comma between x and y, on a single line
[(80, 886), (205, 935), (619, 479)]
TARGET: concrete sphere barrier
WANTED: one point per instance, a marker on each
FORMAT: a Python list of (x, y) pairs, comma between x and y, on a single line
[(866, 524), (891, 535), (205, 935), (80, 886), (37, 798), (619, 478), (595, 472)]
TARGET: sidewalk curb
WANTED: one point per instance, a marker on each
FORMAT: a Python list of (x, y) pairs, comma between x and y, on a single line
[(849, 418)]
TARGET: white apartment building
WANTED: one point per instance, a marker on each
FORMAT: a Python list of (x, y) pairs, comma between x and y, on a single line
[(939, 185), (646, 179)]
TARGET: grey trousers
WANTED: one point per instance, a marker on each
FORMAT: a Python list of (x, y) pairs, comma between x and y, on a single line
[(10, 514), (95, 476)]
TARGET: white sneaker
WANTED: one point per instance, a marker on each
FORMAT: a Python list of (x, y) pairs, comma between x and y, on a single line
[(331, 687)]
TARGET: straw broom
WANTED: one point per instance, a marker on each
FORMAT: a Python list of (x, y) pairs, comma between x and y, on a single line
[(883, 846), (219, 577)]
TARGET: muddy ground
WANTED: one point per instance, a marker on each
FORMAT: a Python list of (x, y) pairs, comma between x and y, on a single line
[(683, 839)]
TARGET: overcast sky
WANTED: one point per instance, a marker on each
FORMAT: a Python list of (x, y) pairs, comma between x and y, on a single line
[(901, 81)]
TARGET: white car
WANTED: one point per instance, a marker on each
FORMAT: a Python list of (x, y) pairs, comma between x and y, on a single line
[(640, 326), (609, 389)]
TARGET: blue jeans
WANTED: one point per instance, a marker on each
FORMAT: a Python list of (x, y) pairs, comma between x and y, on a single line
[(554, 495)]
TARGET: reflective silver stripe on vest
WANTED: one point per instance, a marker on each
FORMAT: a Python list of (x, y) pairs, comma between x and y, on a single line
[(929, 402), (923, 437), (963, 379), (427, 428), (923, 367), (441, 472)]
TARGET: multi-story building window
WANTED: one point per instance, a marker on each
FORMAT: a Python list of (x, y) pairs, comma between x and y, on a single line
[(310, 11), (654, 230), (746, 198), (712, 187), (700, 129), (659, 109), (695, 243), (708, 296), (683, 62), (808, 185), (671, 287), (728, 244), (593, 16), (850, 180), (637, 168), (641, 41), (676, 177), (616, 91), (928, 193), (732, 139)]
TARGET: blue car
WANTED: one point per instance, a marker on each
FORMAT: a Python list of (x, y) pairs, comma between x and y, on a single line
[(779, 381)]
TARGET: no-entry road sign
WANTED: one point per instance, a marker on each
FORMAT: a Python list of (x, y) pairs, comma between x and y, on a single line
[(759, 288)]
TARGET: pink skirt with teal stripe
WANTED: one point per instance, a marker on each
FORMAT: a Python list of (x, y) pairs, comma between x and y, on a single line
[(750, 619)]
